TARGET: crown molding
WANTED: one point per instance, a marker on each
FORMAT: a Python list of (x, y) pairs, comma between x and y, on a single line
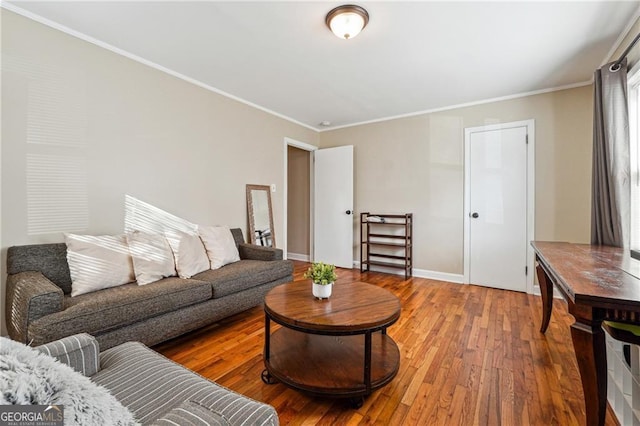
[(464, 105), (129, 55)]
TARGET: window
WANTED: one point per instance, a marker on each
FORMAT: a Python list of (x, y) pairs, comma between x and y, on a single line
[(634, 134)]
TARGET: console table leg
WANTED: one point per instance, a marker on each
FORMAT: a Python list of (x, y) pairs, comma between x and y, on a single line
[(546, 290), (589, 346)]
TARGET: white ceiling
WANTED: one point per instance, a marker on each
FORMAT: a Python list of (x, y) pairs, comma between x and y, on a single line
[(412, 57)]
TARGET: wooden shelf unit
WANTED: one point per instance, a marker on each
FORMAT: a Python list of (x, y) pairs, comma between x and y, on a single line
[(393, 235)]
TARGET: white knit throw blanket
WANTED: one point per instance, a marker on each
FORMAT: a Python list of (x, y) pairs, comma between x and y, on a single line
[(28, 376)]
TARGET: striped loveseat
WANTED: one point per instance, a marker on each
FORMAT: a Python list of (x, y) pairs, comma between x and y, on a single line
[(156, 390)]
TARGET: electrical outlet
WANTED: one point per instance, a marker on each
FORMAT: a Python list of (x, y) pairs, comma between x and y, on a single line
[(273, 187)]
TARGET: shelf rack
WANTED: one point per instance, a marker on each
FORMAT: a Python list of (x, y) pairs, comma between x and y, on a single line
[(386, 240)]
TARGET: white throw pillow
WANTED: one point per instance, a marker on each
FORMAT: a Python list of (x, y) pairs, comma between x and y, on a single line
[(152, 257), (220, 245), (97, 262), (189, 253)]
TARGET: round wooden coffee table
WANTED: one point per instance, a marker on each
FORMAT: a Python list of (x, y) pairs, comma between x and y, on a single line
[(334, 347)]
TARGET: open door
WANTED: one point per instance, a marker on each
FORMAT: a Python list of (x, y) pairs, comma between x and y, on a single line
[(333, 206)]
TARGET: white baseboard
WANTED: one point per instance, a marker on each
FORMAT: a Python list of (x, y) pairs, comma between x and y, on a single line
[(556, 293), (298, 256), (420, 273), (440, 276)]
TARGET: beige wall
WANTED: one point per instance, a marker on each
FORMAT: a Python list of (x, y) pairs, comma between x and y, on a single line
[(187, 150), (298, 199), (131, 130), (416, 165)]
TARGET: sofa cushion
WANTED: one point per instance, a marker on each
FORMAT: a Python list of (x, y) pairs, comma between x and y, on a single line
[(151, 385), (244, 274), (191, 413), (189, 253), (97, 262), (220, 245), (115, 307), (152, 257)]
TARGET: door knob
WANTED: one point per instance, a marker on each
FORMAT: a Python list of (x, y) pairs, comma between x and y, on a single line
[(348, 212), (474, 215)]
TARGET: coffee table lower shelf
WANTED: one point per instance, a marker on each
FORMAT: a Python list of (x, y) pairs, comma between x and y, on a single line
[(325, 365)]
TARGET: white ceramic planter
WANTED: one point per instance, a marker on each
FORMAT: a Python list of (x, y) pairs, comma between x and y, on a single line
[(321, 291)]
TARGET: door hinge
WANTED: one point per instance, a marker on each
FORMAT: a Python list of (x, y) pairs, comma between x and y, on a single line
[(526, 270), (526, 138)]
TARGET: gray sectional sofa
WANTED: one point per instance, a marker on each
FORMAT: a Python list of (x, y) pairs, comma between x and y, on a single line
[(39, 308), (149, 389)]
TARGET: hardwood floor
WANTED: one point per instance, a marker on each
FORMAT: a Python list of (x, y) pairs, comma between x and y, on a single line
[(469, 356)]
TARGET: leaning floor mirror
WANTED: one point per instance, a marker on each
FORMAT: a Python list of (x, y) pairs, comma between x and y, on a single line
[(260, 215)]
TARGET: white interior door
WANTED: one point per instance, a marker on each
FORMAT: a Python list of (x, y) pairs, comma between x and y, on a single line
[(333, 206), (497, 207)]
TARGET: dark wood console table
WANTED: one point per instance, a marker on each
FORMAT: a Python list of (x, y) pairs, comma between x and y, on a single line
[(599, 283)]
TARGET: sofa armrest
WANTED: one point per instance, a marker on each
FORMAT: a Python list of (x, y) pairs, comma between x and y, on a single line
[(80, 352), (255, 252), (30, 295)]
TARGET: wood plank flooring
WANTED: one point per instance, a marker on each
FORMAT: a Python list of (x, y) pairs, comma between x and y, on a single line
[(469, 355)]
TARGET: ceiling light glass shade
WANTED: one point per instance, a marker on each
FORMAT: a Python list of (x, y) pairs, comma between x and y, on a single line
[(347, 21)]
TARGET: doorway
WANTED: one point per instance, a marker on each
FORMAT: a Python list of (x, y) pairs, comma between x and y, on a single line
[(499, 211), (298, 204), (331, 181), (309, 149)]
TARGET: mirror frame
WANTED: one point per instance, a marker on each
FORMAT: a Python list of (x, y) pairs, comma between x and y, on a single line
[(250, 218)]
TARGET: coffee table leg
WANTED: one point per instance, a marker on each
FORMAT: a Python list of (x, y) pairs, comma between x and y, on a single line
[(356, 402), (367, 361), (266, 376), (267, 337)]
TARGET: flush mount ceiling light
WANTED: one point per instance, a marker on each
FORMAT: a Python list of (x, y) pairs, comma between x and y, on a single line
[(347, 21)]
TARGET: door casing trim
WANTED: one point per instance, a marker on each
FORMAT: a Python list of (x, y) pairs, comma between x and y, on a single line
[(285, 192)]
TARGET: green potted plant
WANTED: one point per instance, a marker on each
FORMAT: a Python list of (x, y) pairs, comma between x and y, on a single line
[(323, 276)]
